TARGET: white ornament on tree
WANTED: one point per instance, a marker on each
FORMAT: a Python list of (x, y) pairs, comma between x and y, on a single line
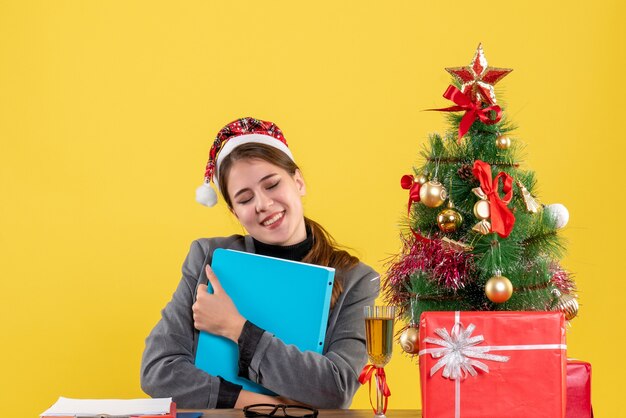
[(559, 213)]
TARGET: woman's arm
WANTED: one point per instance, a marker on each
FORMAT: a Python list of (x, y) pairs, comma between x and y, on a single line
[(167, 366), (324, 381)]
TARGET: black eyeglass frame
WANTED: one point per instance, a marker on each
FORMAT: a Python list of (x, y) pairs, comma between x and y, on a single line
[(252, 414)]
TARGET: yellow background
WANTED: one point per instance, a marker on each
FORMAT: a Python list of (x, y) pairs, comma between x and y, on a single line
[(108, 108)]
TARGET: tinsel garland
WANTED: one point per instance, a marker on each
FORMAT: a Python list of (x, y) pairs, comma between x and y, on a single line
[(562, 279), (448, 268)]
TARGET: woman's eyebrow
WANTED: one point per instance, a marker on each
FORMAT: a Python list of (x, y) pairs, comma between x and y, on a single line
[(268, 176), (241, 192)]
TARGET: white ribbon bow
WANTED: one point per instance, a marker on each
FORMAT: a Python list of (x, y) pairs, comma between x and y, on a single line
[(459, 351)]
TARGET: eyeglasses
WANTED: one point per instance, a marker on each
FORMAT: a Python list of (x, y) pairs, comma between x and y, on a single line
[(270, 410)]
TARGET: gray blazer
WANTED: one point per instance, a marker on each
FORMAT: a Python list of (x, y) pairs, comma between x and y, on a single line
[(328, 380)]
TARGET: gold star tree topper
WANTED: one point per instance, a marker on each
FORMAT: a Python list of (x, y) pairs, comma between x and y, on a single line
[(477, 79)]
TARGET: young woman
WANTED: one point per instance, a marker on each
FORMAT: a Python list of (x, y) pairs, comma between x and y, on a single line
[(255, 172)]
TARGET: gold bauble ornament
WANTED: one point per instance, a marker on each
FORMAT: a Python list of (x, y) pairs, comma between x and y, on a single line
[(498, 289), (433, 194), (409, 340), (422, 178), (568, 304), (449, 220), (503, 142)]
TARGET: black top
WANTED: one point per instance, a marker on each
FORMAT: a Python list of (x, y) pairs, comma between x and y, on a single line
[(295, 252)]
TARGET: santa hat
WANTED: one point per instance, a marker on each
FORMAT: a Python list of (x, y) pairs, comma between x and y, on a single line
[(242, 131)]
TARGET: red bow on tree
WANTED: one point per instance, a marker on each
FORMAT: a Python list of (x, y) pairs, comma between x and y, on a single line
[(408, 183), (502, 219), (473, 110)]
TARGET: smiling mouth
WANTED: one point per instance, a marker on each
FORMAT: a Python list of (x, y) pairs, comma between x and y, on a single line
[(273, 219)]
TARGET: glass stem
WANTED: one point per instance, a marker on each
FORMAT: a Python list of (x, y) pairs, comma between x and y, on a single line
[(380, 399)]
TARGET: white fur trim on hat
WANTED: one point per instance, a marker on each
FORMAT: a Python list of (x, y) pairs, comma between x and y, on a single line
[(236, 141)]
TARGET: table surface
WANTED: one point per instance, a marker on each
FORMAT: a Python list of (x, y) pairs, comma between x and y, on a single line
[(326, 413)]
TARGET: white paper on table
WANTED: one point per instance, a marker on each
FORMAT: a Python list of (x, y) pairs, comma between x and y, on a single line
[(86, 407)]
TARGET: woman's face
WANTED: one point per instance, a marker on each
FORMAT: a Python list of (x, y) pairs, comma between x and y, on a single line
[(266, 199)]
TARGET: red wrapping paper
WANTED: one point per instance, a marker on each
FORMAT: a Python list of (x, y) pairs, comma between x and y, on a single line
[(578, 389), (530, 384)]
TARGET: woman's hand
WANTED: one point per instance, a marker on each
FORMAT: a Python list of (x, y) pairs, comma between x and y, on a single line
[(216, 313), (251, 398)]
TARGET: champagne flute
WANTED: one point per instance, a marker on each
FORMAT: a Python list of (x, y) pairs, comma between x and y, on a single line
[(379, 322)]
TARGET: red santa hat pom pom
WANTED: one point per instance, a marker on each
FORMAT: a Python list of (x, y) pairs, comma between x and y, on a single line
[(205, 195)]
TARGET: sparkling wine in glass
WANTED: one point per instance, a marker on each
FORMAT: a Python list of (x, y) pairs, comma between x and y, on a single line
[(379, 322)]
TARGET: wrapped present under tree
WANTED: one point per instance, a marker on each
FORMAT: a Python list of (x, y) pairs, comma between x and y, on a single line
[(492, 364), (578, 389)]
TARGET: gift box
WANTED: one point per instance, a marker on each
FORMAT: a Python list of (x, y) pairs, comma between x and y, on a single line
[(578, 389), (492, 364)]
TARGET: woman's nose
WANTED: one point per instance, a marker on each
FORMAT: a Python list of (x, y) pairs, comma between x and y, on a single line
[(263, 202)]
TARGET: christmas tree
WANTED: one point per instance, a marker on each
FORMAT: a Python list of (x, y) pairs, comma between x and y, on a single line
[(477, 237)]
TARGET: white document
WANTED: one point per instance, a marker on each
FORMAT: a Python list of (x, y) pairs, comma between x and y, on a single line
[(94, 407)]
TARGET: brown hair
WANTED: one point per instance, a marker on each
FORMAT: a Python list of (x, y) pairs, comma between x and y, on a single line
[(325, 250)]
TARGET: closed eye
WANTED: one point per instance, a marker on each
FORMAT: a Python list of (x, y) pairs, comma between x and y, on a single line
[(244, 201), (273, 185)]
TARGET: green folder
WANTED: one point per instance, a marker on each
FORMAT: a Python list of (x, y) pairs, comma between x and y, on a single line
[(286, 298)]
